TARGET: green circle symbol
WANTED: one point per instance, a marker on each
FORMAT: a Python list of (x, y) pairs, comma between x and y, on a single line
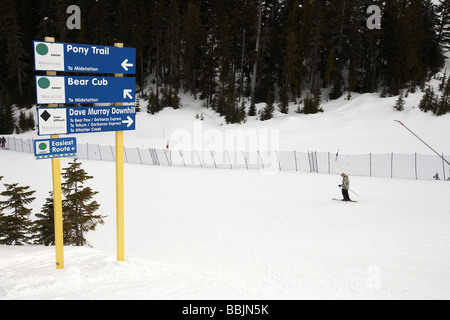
[(42, 49), (42, 146), (44, 83)]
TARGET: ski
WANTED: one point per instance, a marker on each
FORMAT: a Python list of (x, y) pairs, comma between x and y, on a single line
[(335, 199)]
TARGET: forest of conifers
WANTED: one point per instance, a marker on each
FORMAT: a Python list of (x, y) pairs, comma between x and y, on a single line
[(269, 50)]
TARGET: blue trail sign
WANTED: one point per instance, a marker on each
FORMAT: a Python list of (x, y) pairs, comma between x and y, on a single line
[(71, 57), (73, 120), (84, 90), (55, 148)]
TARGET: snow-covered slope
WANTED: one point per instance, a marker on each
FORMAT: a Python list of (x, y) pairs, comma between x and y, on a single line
[(236, 234), (232, 234), (365, 124)]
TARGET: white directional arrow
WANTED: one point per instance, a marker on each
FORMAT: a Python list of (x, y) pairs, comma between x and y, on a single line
[(125, 64), (127, 93), (129, 121)]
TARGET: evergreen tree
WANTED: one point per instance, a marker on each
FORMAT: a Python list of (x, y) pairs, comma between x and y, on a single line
[(400, 103), (45, 224), (23, 122), (393, 46), (443, 82), (193, 40), (173, 48), (311, 105), (78, 207), (6, 117), (429, 100), (443, 25), (206, 46), (267, 112), (283, 105), (443, 106), (294, 69), (154, 105), (16, 54), (16, 226), (236, 113), (252, 109)]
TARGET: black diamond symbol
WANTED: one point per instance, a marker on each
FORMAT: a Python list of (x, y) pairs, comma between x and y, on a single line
[(45, 115)]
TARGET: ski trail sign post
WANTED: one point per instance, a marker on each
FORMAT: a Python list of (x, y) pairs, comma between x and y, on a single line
[(81, 90), (74, 120), (52, 90), (55, 148), (70, 57)]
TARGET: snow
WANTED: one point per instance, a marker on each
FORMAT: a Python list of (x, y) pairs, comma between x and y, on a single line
[(193, 233)]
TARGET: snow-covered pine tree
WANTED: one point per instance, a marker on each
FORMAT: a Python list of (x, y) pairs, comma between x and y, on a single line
[(312, 104), (16, 225), (443, 106), (283, 105), (400, 103), (45, 225), (443, 26), (78, 207), (429, 100), (252, 109), (267, 112)]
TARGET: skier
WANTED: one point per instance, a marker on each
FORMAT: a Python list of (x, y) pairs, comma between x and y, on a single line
[(345, 186), (2, 142)]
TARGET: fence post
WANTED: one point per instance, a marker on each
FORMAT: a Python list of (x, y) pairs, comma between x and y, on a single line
[(309, 161), (87, 150), (415, 163), (182, 158), (260, 159), (152, 156), (125, 154), (245, 159), (370, 164), (328, 162), (279, 163), (231, 165), (214, 160), (201, 164), (99, 152), (295, 157), (139, 154), (443, 166), (392, 164), (316, 163), (168, 162)]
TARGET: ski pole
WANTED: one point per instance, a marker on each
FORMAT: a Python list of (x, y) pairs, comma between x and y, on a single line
[(353, 192)]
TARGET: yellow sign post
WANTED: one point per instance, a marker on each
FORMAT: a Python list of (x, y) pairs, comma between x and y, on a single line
[(120, 186), (119, 146), (57, 195)]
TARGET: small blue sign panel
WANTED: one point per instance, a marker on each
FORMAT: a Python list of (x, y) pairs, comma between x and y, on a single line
[(73, 120), (71, 57), (55, 148), (84, 90)]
